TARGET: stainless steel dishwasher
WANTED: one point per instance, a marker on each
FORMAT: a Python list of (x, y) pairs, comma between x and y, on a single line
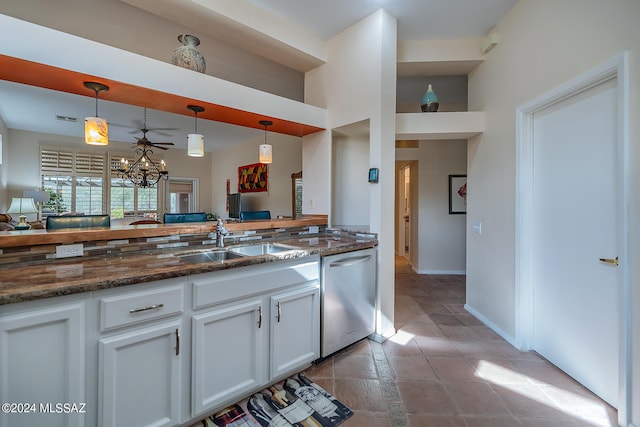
[(348, 286)]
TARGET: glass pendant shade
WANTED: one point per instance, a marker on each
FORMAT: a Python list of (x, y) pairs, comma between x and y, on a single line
[(195, 141), (195, 145), (266, 153), (96, 131)]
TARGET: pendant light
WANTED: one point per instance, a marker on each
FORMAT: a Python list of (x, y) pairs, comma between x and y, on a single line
[(96, 129), (195, 141), (266, 152)]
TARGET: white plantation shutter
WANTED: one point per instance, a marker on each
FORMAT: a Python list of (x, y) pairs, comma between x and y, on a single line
[(59, 162), (77, 177), (88, 164)]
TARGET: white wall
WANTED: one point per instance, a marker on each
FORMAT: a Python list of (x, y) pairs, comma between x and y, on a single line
[(287, 159), (543, 44), (441, 241), (118, 24), (350, 200), (358, 83)]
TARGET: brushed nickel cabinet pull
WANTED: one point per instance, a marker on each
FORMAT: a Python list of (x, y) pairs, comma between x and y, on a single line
[(279, 312), (151, 307)]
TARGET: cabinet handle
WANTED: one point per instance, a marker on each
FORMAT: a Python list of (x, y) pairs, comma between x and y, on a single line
[(177, 342), (259, 317), (151, 307), (347, 262), (279, 312)]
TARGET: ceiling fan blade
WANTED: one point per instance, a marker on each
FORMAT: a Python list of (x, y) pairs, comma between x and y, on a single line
[(156, 146), (163, 143)]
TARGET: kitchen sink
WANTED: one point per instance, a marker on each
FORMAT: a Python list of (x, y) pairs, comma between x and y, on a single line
[(210, 256), (262, 249)]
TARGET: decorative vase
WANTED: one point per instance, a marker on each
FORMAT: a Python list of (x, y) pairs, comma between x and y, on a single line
[(187, 56), (430, 101)]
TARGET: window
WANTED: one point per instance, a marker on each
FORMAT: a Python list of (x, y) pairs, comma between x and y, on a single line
[(127, 199), (79, 183), (75, 181)]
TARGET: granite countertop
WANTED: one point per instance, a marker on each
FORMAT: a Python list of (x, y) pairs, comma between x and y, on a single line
[(30, 281)]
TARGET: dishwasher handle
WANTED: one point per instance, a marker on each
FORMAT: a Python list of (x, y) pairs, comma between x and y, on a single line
[(346, 262)]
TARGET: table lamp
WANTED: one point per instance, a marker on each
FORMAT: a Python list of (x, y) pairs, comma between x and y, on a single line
[(22, 206), (38, 196)]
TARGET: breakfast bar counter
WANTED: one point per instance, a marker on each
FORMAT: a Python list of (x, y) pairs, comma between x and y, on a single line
[(31, 280)]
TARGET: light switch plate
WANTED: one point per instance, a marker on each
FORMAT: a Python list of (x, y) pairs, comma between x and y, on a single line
[(314, 229), (67, 251), (477, 228)]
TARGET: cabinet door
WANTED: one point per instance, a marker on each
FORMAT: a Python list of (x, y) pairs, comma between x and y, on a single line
[(42, 362), (295, 329), (140, 380), (228, 355)]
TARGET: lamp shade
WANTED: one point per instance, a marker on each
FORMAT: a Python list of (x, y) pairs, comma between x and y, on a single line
[(38, 196), (22, 205), (195, 145), (266, 153), (96, 131)]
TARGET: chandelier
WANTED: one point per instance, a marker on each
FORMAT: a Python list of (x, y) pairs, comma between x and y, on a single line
[(144, 172)]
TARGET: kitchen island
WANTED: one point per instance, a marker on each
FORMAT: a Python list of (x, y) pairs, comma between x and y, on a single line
[(141, 334)]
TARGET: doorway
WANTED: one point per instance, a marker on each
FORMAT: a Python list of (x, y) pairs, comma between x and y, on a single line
[(296, 195), (183, 195), (406, 208), (572, 294)]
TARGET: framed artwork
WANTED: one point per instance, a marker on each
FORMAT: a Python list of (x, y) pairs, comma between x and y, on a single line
[(457, 194), (253, 178)]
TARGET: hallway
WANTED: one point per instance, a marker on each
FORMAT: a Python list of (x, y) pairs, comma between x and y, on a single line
[(445, 368)]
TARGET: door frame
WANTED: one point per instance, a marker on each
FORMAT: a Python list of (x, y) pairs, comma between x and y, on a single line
[(195, 191), (616, 67)]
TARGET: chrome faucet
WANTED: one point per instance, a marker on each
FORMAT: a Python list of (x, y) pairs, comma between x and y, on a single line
[(221, 231)]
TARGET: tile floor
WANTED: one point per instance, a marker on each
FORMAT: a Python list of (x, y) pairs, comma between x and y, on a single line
[(445, 368)]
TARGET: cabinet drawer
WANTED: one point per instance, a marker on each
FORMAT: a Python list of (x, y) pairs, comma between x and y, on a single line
[(141, 306), (222, 286)]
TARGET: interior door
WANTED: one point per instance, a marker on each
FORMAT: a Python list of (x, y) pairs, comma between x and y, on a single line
[(575, 224)]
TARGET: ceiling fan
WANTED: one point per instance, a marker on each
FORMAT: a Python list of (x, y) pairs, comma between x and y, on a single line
[(144, 142)]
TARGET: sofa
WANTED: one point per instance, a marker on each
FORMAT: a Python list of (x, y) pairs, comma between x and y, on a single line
[(175, 218), (7, 223), (77, 221), (251, 215)]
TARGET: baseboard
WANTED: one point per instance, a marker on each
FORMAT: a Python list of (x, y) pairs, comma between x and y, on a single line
[(491, 325), (457, 272)]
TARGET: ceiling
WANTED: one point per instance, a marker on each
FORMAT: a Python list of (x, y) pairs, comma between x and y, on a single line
[(417, 19), (29, 108)]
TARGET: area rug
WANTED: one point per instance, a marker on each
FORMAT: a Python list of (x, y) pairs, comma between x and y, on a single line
[(296, 401)]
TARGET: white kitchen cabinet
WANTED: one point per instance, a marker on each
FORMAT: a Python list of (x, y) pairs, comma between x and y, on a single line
[(251, 325), (295, 329), (140, 381), (227, 353), (42, 363)]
